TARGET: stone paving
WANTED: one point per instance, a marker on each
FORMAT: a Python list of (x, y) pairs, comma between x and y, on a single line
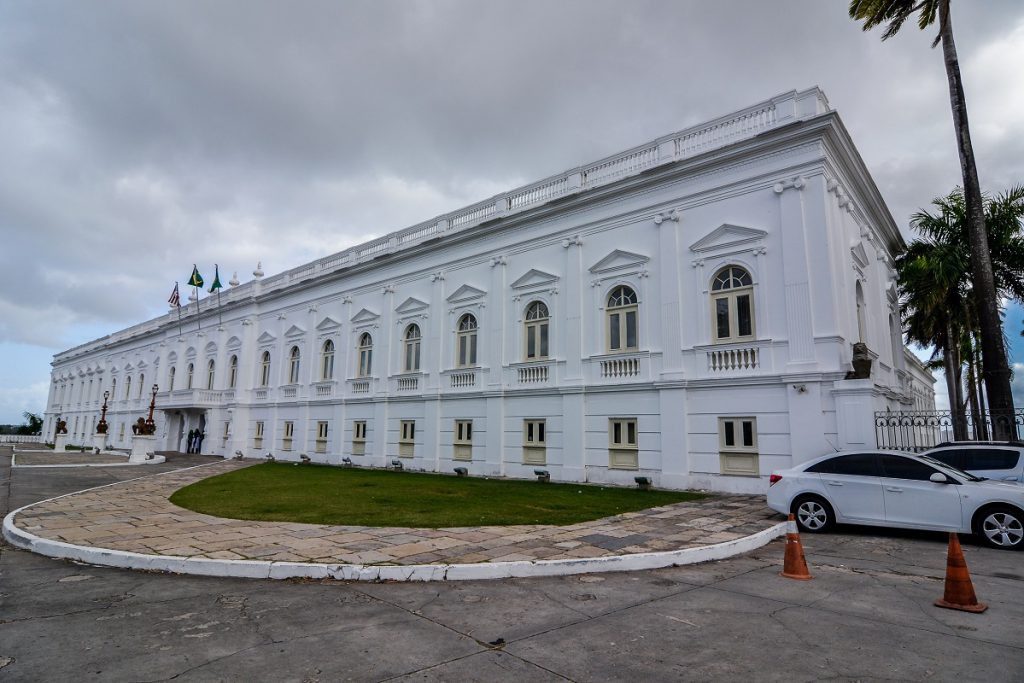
[(43, 459), (137, 516)]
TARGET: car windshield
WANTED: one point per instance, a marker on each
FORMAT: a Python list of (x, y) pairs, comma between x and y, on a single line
[(941, 465)]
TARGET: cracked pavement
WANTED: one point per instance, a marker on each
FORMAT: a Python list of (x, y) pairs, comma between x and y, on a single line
[(868, 614)]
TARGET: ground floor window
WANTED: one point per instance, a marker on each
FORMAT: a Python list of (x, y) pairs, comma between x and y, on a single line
[(257, 440), (535, 442), (623, 451), (463, 441), (737, 444), (407, 438), (359, 437), (289, 434), (321, 437)]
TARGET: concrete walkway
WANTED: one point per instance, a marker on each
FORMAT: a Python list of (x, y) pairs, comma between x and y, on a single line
[(136, 517)]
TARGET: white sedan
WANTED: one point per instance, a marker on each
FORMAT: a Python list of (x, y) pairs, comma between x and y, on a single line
[(887, 488)]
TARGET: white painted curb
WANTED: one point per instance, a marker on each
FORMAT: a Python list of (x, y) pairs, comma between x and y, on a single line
[(263, 569)]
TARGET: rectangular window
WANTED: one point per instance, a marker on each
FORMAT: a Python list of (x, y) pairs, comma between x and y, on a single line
[(289, 433), (744, 321), (359, 437), (614, 343), (321, 437), (622, 443), (534, 442), (227, 432), (737, 440), (257, 441), (407, 438), (463, 440), (722, 318)]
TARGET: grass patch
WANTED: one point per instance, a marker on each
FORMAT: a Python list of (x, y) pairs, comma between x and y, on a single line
[(281, 492)]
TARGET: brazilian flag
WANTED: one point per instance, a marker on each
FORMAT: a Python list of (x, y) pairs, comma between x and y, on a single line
[(196, 280), (216, 280)]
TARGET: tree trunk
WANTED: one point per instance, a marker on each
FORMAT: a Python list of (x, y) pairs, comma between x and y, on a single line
[(951, 362), (996, 369), (977, 419)]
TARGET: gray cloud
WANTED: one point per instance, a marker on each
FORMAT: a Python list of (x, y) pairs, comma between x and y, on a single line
[(139, 138)]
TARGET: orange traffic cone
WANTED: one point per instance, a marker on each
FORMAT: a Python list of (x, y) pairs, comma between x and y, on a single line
[(795, 566), (959, 589)]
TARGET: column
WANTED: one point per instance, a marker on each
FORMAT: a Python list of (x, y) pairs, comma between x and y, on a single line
[(668, 320), (573, 318), (796, 274)]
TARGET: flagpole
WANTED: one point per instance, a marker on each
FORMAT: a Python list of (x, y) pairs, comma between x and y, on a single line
[(220, 315), (199, 321)]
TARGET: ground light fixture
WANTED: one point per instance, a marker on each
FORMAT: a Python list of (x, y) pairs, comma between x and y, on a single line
[(347, 462), (461, 471), (643, 483), (543, 476), (396, 463)]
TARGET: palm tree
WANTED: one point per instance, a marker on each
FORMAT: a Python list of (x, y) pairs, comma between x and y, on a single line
[(938, 306), (996, 368)]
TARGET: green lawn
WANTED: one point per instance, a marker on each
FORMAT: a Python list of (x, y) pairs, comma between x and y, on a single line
[(361, 497)]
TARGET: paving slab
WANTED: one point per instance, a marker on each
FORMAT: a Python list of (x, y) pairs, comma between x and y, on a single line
[(136, 516)]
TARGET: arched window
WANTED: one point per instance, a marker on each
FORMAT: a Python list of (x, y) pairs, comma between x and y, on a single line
[(190, 373), (896, 337), (466, 341), (327, 361), (621, 314), (732, 305), (127, 387), (536, 330), (170, 378), (142, 384), (293, 365), (113, 389), (265, 369), (365, 354), (411, 348), (232, 372), (862, 324), (210, 374)]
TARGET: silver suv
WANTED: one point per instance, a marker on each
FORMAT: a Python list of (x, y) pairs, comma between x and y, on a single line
[(998, 460)]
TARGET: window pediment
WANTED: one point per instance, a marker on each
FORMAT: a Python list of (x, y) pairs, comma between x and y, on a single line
[(294, 331), (365, 315), (619, 259), (534, 278), (860, 255), (328, 323), (411, 305), (266, 338), (728, 236), (465, 293), (234, 343)]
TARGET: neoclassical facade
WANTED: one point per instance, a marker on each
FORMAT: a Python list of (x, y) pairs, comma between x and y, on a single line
[(685, 310)]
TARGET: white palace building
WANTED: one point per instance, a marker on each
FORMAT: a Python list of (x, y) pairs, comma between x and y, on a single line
[(685, 310)]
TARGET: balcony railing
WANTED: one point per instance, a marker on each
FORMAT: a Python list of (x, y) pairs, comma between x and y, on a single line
[(534, 373), (323, 389), (360, 386), (407, 383), (462, 379), (289, 392)]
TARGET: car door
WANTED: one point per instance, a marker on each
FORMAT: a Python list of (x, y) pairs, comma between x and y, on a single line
[(852, 486), (912, 500)]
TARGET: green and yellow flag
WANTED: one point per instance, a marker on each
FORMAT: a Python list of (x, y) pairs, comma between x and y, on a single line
[(196, 280), (216, 279)]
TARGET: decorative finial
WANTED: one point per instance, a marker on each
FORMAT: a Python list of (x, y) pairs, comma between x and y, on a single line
[(258, 273), (234, 279)]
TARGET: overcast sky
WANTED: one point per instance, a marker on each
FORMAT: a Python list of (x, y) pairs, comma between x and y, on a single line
[(139, 137)]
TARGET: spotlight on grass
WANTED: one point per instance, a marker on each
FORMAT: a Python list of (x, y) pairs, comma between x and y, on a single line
[(543, 476), (462, 471), (305, 459), (397, 464), (643, 483), (347, 462)]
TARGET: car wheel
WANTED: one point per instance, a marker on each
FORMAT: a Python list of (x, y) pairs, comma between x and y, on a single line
[(813, 514), (1001, 527)]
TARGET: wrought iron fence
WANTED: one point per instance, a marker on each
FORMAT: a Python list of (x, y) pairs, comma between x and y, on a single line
[(920, 430)]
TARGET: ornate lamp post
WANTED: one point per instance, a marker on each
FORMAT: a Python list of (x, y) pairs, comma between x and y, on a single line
[(150, 425), (101, 426)]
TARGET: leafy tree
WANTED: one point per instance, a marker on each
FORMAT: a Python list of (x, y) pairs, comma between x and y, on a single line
[(996, 369), (33, 424)]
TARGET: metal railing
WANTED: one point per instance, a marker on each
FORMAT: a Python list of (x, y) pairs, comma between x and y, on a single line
[(919, 430)]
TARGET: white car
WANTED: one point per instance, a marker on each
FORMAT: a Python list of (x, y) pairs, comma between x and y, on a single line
[(887, 488)]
